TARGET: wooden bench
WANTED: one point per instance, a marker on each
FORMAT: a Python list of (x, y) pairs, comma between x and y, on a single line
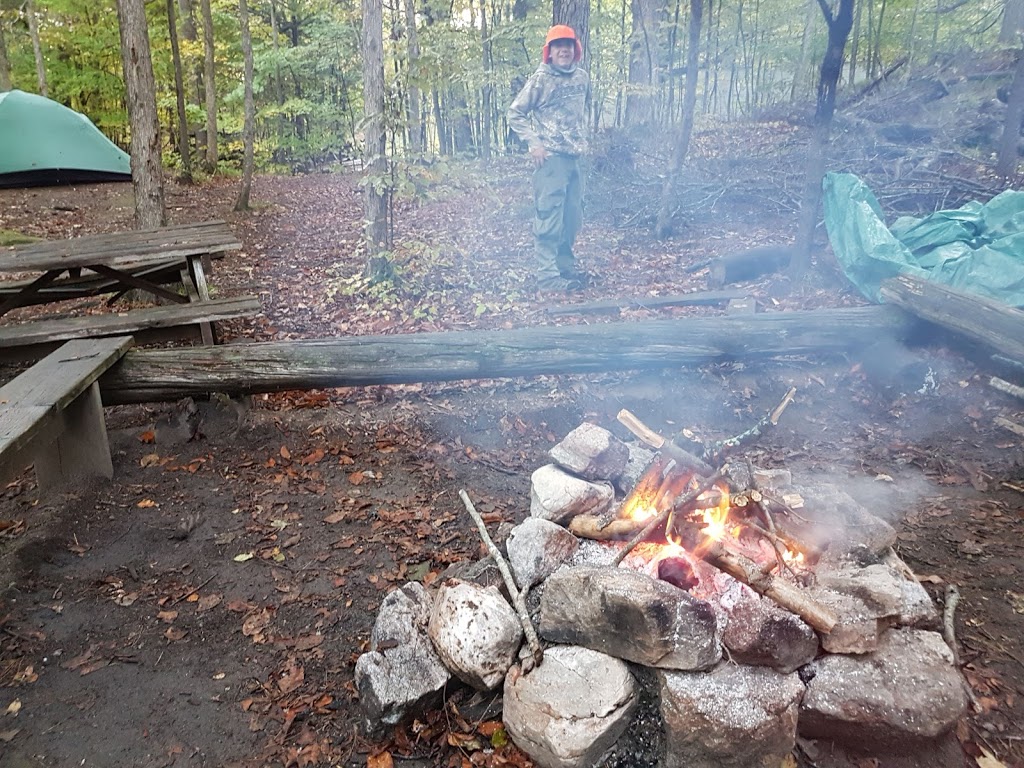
[(150, 324), (52, 416)]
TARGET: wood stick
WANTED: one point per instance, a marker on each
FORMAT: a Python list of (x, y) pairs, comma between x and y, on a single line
[(1013, 426), (948, 618), (1004, 386), (656, 441), (785, 593), (517, 597), (593, 527), (702, 485), (715, 453)]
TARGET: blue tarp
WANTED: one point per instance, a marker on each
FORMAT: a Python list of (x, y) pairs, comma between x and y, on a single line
[(977, 248)]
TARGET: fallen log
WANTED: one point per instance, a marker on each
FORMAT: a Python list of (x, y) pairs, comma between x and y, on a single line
[(750, 264), (170, 374), (980, 319), (695, 299)]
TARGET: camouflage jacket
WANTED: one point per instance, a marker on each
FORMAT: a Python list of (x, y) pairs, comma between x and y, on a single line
[(550, 111)]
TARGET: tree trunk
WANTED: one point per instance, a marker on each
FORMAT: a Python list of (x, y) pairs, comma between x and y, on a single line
[(147, 173), (179, 87), (5, 63), (485, 41), (249, 125), (376, 182), (1006, 164), (805, 47), (1013, 22), (664, 223), (210, 87), (575, 13), (170, 374), (974, 317), (194, 65), (839, 26), (37, 48), (644, 61), (412, 72)]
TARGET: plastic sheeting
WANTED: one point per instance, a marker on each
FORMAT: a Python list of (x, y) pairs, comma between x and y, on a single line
[(977, 248)]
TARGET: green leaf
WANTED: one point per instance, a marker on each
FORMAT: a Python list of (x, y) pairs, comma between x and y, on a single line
[(243, 557)]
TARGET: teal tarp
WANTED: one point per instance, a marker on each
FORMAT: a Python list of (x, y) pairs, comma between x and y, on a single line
[(44, 142), (977, 248)]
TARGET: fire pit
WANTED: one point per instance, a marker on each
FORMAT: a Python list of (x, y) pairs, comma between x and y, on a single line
[(694, 604)]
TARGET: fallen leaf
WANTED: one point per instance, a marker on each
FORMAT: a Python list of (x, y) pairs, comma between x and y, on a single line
[(313, 457), (14, 707), (149, 460), (931, 579), (8, 736), (149, 436), (988, 760), (243, 557), (174, 634), (381, 760), (167, 616), (27, 675), (291, 678), (285, 453), (336, 517), (147, 504), (207, 602), (356, 478)]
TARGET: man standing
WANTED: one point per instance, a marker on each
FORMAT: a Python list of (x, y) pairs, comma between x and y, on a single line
[(549, 114)]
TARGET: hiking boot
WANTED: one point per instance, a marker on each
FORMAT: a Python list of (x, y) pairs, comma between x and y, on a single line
[(583, 278), (560, 285)]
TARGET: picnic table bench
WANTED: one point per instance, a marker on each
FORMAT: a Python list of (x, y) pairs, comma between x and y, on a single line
[(116, 263), (52, 416)]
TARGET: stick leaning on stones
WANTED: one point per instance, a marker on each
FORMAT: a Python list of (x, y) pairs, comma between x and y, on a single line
[(518, 598)]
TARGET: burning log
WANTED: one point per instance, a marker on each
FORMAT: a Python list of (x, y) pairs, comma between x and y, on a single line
[(594, 527), (788, 595)]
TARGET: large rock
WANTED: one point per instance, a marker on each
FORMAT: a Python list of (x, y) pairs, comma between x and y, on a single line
[(570, 710), (758, 632), (731, 717), (401, 674), (630, 616), (639, 458), (536, 547), (877, 586), (592, 452), (559, 496), (475, 631), (905, 693), (858, 627)]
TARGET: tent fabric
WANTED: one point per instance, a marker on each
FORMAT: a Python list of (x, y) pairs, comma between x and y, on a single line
[(977, 248), (44, 142)]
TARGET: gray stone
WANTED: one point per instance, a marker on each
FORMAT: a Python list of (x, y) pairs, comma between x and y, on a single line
[(630, 616), (905, 693), (773, 479), (759, 632), (852, 526), (917, 609), (401, 675), (559, 496), (858, 627), (536, 548), (592, 452), (475, 632), (877, 586), (639, 457), (484, 572), (570, 710), (731, 717)]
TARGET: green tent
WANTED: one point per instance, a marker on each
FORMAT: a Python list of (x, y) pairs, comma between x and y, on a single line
[(43, 142)]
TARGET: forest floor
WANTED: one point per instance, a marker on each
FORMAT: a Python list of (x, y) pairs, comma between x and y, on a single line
[(206, 606)]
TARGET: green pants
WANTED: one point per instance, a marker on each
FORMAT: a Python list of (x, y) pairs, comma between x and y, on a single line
[(558, 199)]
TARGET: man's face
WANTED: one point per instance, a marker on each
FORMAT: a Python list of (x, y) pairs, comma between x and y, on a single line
[(562, 53)]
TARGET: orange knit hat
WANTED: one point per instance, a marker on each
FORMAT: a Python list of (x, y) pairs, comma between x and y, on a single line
[(561, 32)]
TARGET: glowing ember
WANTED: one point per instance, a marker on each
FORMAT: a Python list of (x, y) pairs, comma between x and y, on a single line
[(715, 518)]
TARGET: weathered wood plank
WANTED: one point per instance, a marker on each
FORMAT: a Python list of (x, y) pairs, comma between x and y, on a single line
[(64, 374), (119, 323), (119, 248), (698, 298), (979, 319), (147, 375)]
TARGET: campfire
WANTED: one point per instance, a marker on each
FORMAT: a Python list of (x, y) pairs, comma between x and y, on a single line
[(670, 572)]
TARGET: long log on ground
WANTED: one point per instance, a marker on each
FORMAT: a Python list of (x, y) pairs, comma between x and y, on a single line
[(170, 374), (990, 322), (698, 298)]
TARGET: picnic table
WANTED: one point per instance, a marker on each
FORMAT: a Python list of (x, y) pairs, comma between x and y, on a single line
[(92, 265)]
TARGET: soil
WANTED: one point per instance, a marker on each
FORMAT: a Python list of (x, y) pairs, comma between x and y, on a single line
[(206, 606)]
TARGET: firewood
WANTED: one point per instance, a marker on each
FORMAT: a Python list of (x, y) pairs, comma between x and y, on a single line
[(518, 598), (683, 457), (595, 527), (786, 594)]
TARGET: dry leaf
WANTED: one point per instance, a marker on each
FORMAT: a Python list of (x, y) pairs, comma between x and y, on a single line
[(382, 760), (355, 478), (8, 736), (285, 453), (208, 602), (147, 504), (313, 457), (14, 707), (988, 760), (167, 616), (291, 678), (174, 634), (149, 436), (336, 517), (149, 460)]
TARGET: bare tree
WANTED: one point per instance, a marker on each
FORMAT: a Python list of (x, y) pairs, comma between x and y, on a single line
[(663, 225), (179, 87), (375, 182), (37, 48), (1006, 163), (413, 51), (147, 175), (249, 124), (839, 25), (5, 63), (210, 86)]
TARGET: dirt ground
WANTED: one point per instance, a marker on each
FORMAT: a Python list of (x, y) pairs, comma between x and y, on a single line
[(207, 605)]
